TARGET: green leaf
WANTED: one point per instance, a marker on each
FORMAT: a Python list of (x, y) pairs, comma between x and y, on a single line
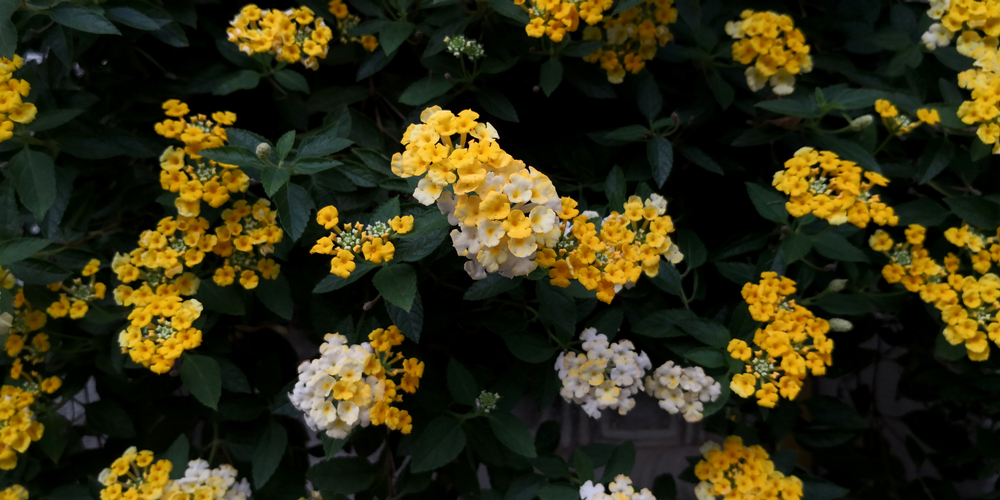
[(698, 157), (925, 212), (201, 375), (737, 272), (461, 384), (393, 34), (292, 81), (491, 286), (664, 487), (108, 417), (844, 304), (795, 246), (608, 321), (410, 323), (614, 188), (660, 153), (695, 253), (276, 295), (429, 230), (234, 155), (39, 272), (621, 462), (556, 309), (629, 133), (398, 284), (285, 144), (343, 475), (790, 107), (311, 166), (233, 379), (326, 143), (34, 174), (507, 9), (243, 79), (8, 32), (976, 211), (513, 434), (836, 247), (707, 356), (224, 299), (83, 19), (551, 77), (770, 204), (851, 99), (294, 205), (48, 120), (334, 282), (721, 89), (624, 5), (668, 279), (815, 488), (529, 347), (53, 441), (497, 104), (267, 453), (582, 464), (386, 211), (708, 332), (439, 443), (581, 48), (133, 18), (648, 97), (179, 453), (18, 249), (422, 91), (274, 179), (558, 492), (663, 324), (938, 155), (331, 446), (10, 224)]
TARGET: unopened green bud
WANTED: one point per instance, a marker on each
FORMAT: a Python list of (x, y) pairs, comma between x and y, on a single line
[(861, 122), (836, 285), (841, 325)]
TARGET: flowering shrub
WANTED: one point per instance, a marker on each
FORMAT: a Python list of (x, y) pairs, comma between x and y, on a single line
[(499, 249)]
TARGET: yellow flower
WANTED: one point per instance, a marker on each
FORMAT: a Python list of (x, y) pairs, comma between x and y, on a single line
[(376, 251), (767, 396), (327, 217), (929, 117), (743, 384), (402, 225)]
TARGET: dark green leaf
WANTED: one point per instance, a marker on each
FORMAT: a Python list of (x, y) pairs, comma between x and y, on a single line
[(707, 357), (663, 324), (243, 79), (285, 144), (497, 104), (461, 384), (108, 417), (513, 434), (342, 475), (179, 453), (708, 332), (234, 155), (614, 188), (222, 299), (491, 286), (398, 284), (48, 120), (529, 347), (790, 107), (429, 230), (310, 166), (795, 246), (134, 18), (276, 295), (737, 272), (294, 204), (83, 19), (722, 90), (201, 375), (422, 91), (552, 74), (698, 157), (267, 453), (18, 249), (292, 81), (39, 272), (333, 282), (274, 179), (976, 211), (439, 443), (940, 154), (393, 34), (660, 153), (836, 247), (410, 323), (691, 246), (621, 462), (35, 176), (583, 466), (849, 150), (770, 204)]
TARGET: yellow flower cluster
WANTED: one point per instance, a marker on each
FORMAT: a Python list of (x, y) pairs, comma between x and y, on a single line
[(12, 107), (14, 492), (615, 255), (899, 124), (187, 173), (968, 304), (348, 386), (632, 37), (134, 476), (504, 209), (25, 342), (372, 242), (346, 21), (74, 298), (736, 472), (295, 35), (18, 427), (775, 47), (792, 343), (554, 18), (820, 183)]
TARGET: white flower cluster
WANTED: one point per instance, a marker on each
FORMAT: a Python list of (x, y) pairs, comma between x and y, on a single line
[(607, 376), (682, 390), (620, 489), (203, 483), (937, 35), (333, 391)]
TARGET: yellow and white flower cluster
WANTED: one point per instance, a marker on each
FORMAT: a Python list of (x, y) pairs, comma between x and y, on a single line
[(606, 376), (682, 390), (348, 386), (505, 210), (203, 483), (620, 489), (772, 47)]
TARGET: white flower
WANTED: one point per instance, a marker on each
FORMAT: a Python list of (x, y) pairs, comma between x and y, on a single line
[(588, 490)]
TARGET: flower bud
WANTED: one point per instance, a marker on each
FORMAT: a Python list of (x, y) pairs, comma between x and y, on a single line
[(840, 325), (836, 285), (263, 150), (861, 122)]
